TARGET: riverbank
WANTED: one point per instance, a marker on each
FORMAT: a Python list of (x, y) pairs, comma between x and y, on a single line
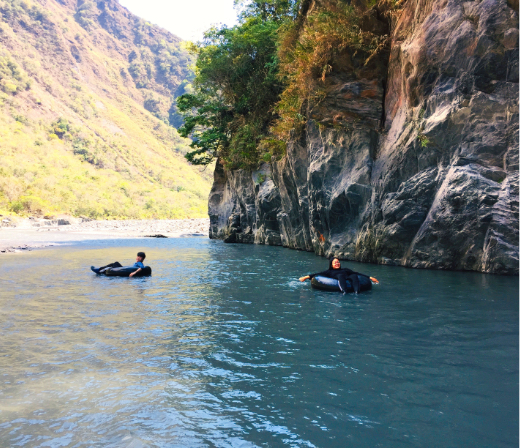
[(19, 235)]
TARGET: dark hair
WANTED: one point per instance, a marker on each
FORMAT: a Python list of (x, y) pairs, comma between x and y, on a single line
[(331, 260), (142, 255)]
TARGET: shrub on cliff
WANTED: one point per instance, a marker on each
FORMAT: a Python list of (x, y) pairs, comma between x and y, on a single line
[(86, 14), (335, 32), (12, 79)]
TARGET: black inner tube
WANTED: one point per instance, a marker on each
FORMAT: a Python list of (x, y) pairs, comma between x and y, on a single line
[(331, 284), (125, 271)]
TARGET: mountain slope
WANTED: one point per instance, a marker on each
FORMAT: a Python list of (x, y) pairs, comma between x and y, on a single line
[(85, 96)]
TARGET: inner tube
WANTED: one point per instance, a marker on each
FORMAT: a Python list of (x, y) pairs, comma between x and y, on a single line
[(331, 284), (125, 271)]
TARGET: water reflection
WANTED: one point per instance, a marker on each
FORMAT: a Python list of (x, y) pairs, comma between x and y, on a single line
[(224, 347)]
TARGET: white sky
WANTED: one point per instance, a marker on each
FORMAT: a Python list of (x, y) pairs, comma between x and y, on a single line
[(187, 19)]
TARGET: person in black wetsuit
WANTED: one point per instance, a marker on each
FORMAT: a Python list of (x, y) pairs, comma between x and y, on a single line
[(342, 275)]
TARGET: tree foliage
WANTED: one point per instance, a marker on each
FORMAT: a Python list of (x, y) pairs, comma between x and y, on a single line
[(256, 82), (236, 86), (273, 10), (12, 79)]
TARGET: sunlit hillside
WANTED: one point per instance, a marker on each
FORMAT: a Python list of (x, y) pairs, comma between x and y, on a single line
[(85, 114)]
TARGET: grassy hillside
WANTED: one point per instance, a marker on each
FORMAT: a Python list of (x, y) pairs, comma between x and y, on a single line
[(85, 108)]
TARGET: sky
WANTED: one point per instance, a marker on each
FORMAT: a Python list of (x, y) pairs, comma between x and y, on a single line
[(187, 19)]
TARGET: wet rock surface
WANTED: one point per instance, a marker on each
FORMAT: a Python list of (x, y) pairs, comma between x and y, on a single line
[(432, 184)]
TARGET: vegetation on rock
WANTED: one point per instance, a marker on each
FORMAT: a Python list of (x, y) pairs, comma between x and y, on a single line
[(257, 82), (335, 34)]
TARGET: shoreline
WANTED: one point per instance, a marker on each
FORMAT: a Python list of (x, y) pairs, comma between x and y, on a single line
[(25, 235)]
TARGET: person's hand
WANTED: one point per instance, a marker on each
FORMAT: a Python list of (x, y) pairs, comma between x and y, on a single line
[(302, 279), (132, 274)]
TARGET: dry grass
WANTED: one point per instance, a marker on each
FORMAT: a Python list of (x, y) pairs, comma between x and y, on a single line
[(333, 31)]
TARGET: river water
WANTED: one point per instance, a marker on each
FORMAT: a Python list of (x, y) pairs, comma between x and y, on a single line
[(224, 347)]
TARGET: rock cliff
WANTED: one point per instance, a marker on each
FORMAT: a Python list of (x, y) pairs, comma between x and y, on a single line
[(412, 160)]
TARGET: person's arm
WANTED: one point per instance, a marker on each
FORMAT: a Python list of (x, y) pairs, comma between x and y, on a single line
[(135, 272), (307, 277), (139, 266)]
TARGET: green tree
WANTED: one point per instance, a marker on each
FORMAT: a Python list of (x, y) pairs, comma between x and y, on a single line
[(276, 10), (236, 85)]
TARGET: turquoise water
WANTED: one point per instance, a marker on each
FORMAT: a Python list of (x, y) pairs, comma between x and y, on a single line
[(224, 347)]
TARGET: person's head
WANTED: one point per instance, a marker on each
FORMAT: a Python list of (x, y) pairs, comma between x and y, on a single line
[(334, 263), (141, 256)]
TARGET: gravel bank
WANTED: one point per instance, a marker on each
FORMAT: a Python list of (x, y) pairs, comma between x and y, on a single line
[(17, 235)]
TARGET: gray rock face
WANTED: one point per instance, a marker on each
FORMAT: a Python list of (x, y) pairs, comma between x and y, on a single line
[(433, 184)]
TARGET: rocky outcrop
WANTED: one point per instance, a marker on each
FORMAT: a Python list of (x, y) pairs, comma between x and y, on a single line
[(412, 161)]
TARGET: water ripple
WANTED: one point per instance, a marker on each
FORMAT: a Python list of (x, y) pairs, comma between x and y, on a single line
[(224, 347)]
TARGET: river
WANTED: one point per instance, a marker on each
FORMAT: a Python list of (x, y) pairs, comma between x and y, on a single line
[(224, 347)]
